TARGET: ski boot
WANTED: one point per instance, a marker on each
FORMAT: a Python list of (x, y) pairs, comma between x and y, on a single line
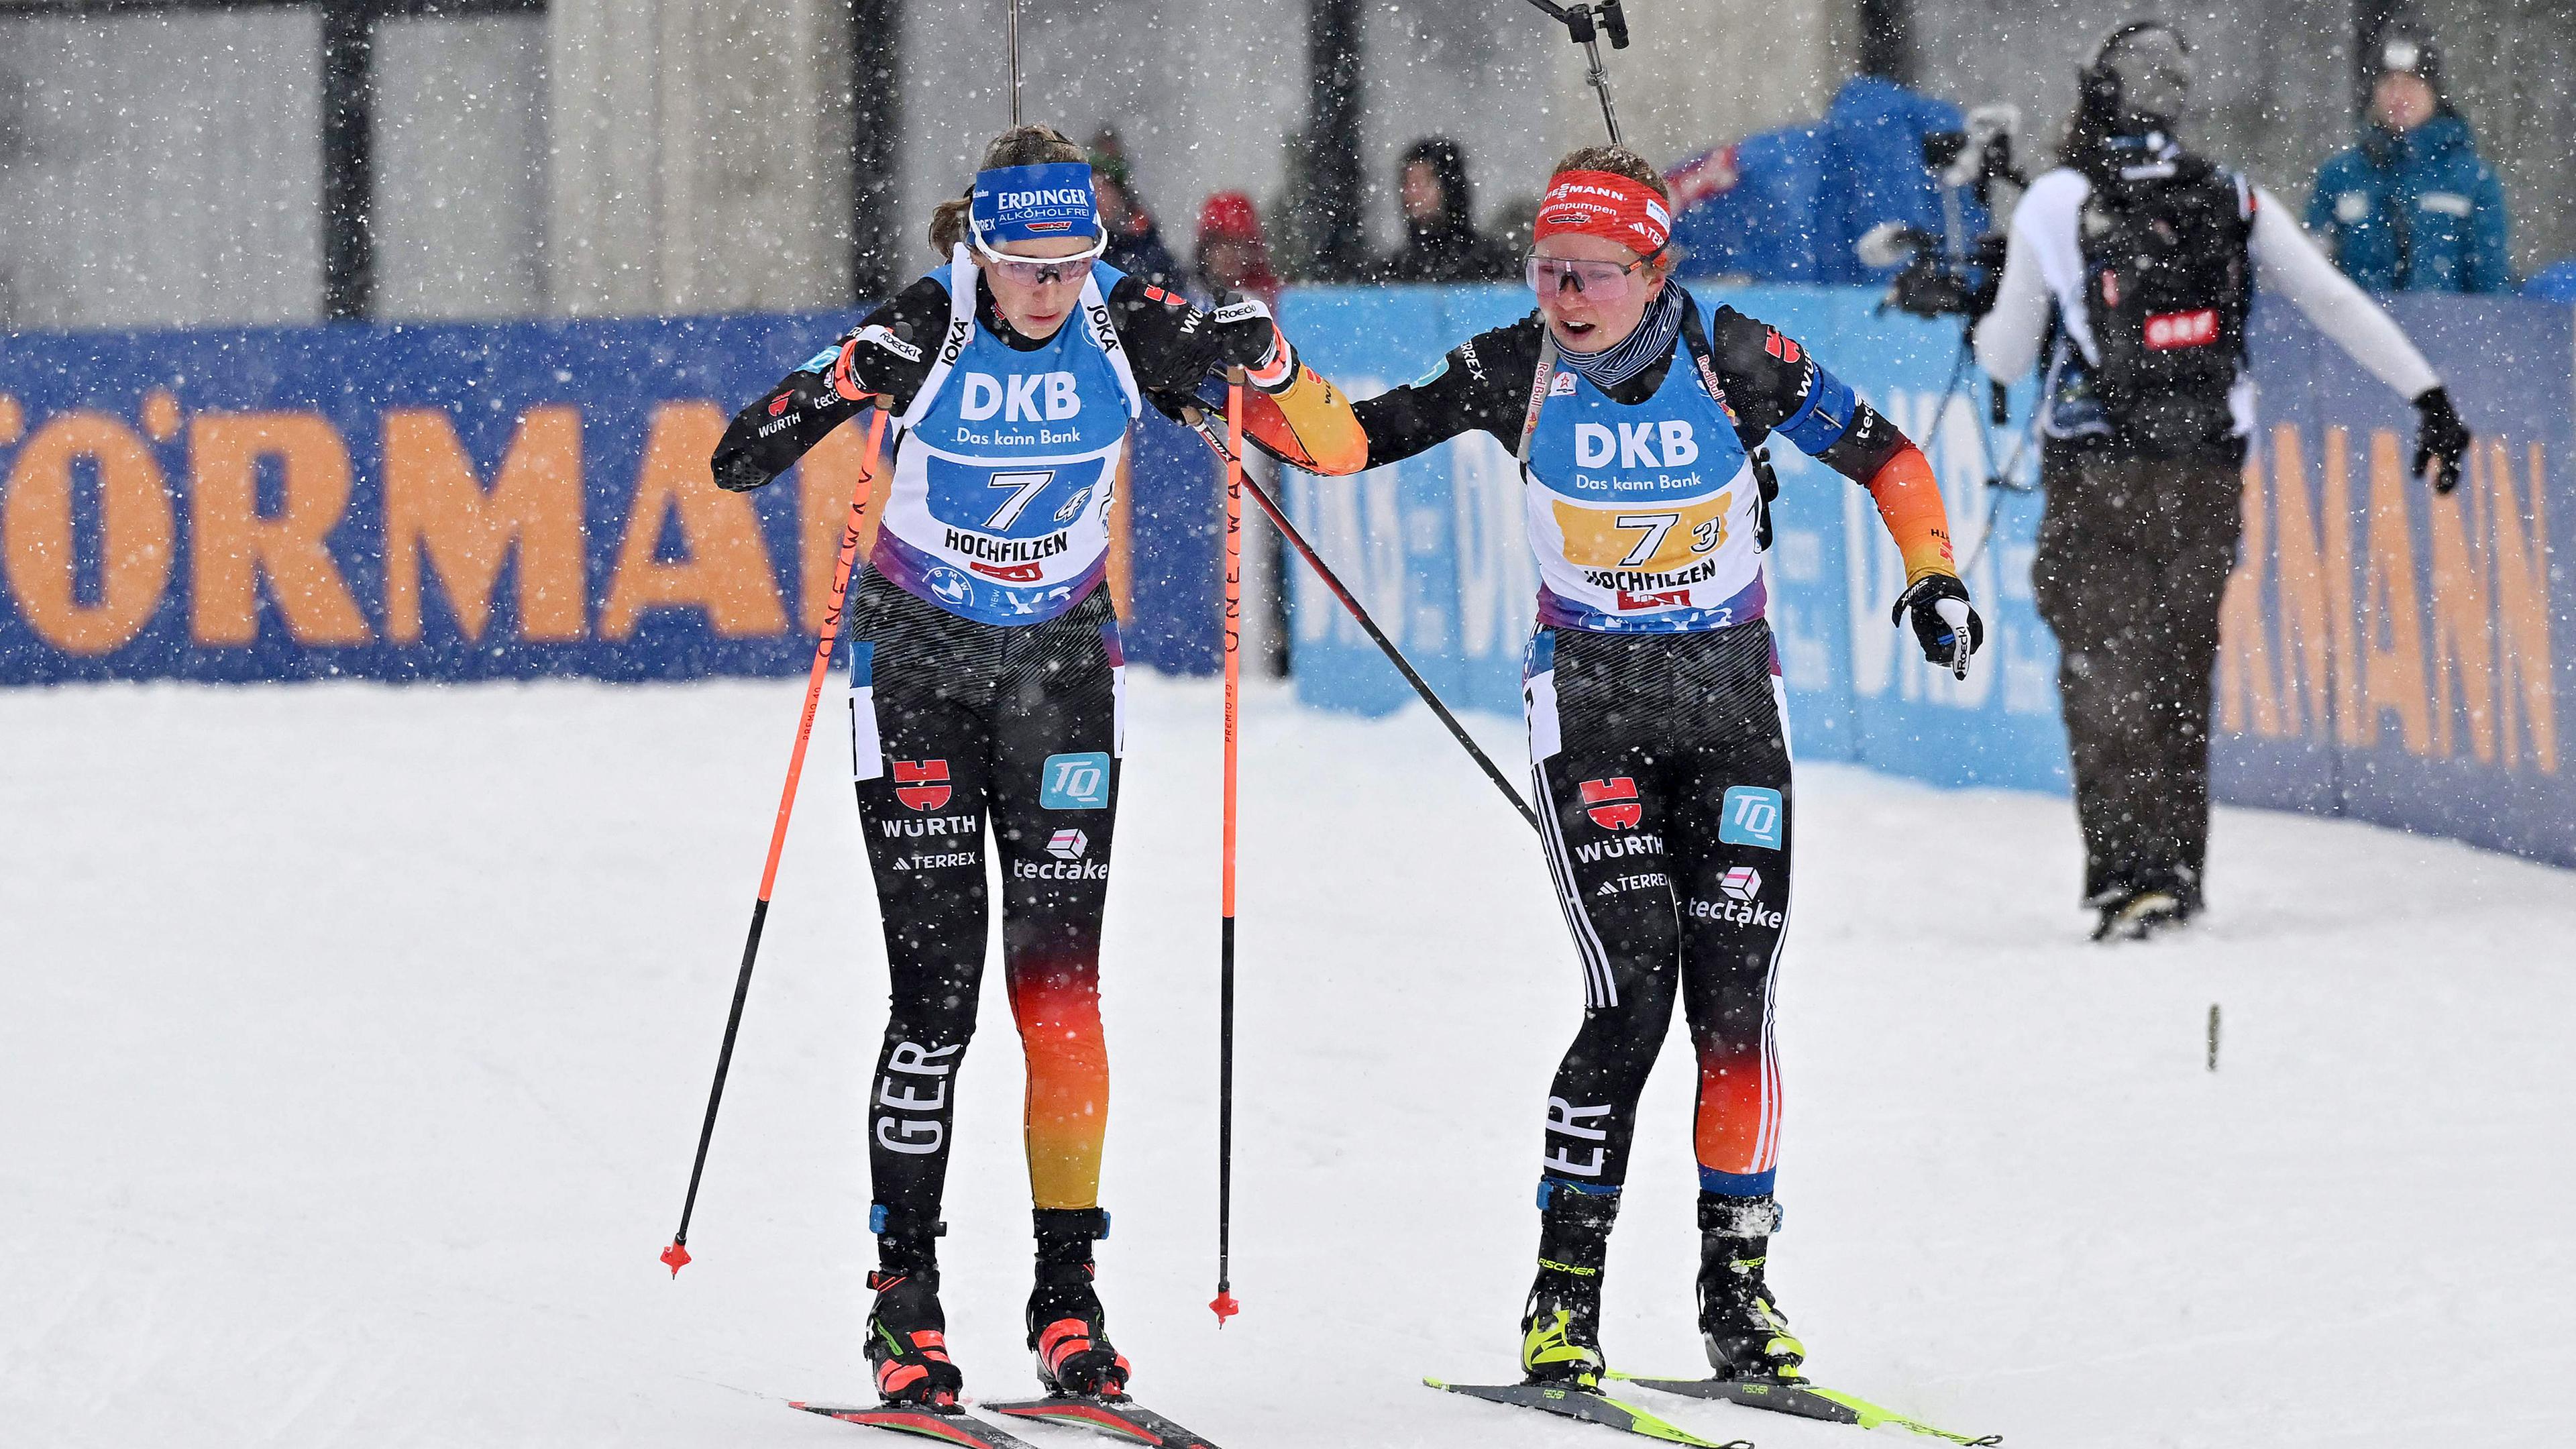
[(1561, 1324), (1745, 1333), (2136, 917), (908, 1340), (1067, 1329)]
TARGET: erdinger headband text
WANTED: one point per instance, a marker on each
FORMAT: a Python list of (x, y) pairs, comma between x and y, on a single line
[(1608, 205), (1033, 203)]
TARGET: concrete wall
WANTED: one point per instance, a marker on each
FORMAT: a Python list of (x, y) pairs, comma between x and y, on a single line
[(700, 155)]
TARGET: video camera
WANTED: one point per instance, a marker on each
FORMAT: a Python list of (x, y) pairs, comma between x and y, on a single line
[(1952, 275)]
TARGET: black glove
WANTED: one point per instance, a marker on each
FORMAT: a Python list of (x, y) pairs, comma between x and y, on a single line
[(1252, 340), (1170, 344), (1940, 640), (1929, 288), (2440, 437)]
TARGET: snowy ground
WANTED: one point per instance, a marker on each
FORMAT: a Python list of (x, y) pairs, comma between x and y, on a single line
[(354, 1042)]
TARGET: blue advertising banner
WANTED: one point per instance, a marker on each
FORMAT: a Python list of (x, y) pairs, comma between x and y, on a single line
[(461, 502), (2386, 654)]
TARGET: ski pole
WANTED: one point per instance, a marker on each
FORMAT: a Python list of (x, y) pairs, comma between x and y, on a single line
[(1224, 1303), (1279, 519), (676, 1256)]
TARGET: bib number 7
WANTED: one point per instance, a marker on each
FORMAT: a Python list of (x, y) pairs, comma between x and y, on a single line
[(1025, 485), (1656, 525)]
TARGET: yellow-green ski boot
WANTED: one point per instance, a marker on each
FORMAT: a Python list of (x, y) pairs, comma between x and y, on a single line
[(1740, 1324), (1561, 1325)]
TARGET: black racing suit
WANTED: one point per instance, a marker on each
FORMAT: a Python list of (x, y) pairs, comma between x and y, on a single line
[(1663, 763), (956, 723)]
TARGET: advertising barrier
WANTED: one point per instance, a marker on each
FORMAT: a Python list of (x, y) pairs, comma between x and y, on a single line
[(461, 502), (505, 501), (2387, 655)]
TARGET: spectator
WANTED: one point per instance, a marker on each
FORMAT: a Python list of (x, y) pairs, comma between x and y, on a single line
[(1232, 256), (2412, 208), (1441, 244), (1135, 245)]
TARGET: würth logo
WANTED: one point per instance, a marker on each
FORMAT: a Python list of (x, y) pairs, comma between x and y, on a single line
[(1600, 798), (2169, 330), (921, 784)]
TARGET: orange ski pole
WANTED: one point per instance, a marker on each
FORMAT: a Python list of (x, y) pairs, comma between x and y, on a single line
[(1224, 1303), (676, 1256)]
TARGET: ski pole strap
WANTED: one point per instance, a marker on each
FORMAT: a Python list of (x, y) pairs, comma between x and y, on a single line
[(1538, 391)]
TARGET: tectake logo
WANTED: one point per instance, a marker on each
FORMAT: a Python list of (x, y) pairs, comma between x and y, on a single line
[(2167, 331), (921, 784), (1068, 844), (1613, 803), (1742, 883)]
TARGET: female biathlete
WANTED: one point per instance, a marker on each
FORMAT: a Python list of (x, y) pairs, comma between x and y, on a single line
[(984, 684), (1656, 730)]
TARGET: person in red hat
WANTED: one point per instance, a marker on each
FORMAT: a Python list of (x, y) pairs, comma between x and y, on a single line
[(1659, 744), (1232, 255)]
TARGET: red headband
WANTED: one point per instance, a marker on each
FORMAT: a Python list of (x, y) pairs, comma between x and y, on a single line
[(1607, 205)]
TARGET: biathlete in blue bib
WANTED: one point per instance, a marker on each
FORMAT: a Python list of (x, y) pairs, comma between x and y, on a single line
[(985, 689), (1658, 741)]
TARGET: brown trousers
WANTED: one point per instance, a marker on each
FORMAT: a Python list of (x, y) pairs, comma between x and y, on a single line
[(2134, 554)]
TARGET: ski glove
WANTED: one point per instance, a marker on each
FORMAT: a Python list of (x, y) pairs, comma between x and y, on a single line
[(1253, 341), (2440, 437), (1938, 604), (1170, 344)]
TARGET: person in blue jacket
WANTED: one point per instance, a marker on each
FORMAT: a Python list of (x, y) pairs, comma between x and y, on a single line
[(2412, 208)]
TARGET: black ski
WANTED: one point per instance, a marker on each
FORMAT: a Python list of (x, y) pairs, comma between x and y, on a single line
[(1117, 1418), (1588, 1406), (953, 1427), (1800, 1398)]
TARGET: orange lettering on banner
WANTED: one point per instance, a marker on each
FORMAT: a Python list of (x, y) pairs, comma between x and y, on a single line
[(2522, 611), (2463, 644), (2393, 678), (824, 480), (2309, 630), (726, 570), (135, 519), (2354, 725), (233, 544), (2244, 635), (435, 505)]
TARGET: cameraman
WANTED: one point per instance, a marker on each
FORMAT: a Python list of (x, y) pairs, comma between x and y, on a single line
[(2138, 260)]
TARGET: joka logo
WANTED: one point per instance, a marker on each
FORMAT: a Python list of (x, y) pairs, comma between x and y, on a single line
[(2170, 330), (1750, 816), (1612, 816), (1742, 883), (1068, 844), (921, 784), (1074, 782)]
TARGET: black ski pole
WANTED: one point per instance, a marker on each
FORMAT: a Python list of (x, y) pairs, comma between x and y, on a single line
[(1197, 420)]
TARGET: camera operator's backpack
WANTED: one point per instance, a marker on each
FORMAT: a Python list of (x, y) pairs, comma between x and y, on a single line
[(2169, 282)]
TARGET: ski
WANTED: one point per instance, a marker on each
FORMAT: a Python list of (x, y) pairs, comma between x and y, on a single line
[(949, 1428), (1117, 1418), (1802, 1399), (1588, 1406)]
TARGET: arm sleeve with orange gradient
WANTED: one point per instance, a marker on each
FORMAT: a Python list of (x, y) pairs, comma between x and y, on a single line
[(1307, 423), (1909, 503)]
